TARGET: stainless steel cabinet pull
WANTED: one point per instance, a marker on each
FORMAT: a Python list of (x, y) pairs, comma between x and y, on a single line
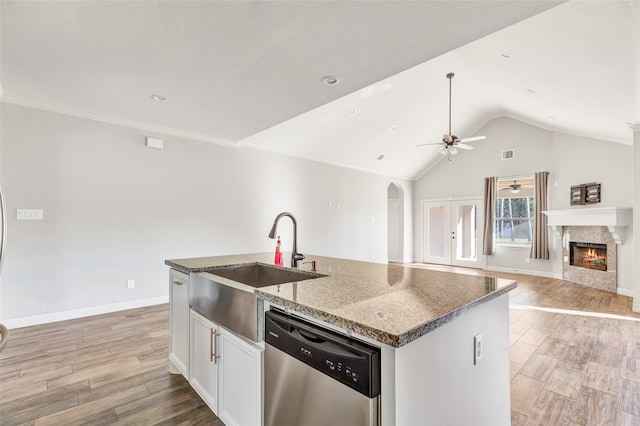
[(214, 346), (211, 345), (178, 282)]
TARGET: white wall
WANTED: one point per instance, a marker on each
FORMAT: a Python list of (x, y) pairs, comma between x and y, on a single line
[(115, 210), (464, 176), (636, 211), (570, 160), (581, 160)]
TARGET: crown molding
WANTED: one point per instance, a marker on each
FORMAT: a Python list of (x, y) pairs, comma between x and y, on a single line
[(110, 119), (319, 160)]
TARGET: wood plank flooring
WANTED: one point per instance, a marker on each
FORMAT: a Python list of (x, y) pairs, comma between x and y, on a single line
[(99, 370), (567, 367), (575, 354)]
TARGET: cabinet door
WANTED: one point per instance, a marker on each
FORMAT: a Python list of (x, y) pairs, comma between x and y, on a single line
[(240, 369), (179, 322), (204, 360)]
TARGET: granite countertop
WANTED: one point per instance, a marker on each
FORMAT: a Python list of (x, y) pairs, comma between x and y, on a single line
[(391, 304)]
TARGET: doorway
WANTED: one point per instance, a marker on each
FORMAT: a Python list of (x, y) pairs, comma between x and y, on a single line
[(395, 223), (450, 232)]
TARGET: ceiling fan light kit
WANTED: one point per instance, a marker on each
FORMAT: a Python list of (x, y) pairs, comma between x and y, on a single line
[(450, 142)]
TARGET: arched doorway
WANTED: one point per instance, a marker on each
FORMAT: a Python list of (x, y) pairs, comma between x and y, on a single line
[(395, 223)]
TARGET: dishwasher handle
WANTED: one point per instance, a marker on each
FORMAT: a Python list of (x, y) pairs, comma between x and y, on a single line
[(310, 336)]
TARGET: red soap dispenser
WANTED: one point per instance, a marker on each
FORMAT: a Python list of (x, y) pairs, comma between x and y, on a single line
[(278, 258)]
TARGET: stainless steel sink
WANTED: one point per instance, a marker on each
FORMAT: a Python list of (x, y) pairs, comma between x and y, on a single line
[(226, 297), (261, 275)]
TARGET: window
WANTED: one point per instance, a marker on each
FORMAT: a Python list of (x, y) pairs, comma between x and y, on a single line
[(514, 212)]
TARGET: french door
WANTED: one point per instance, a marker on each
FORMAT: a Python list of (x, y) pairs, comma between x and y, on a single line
[(451, 234)]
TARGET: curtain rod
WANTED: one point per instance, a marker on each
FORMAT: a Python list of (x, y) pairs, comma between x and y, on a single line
[(516, 177)]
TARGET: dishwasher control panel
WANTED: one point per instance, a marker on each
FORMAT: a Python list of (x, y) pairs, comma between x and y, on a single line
[(350, 361)]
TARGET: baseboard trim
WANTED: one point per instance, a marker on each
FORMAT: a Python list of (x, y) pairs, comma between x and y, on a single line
[(524, 272), (625, 292), (81, 313)]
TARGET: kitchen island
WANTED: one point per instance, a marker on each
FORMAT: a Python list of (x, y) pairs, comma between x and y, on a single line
[(425, 322)]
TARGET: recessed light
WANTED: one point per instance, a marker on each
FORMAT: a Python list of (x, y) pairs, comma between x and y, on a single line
[(380, 157), (393, 128), (353, 111), (505, 55), (159, 98), (330, 80)]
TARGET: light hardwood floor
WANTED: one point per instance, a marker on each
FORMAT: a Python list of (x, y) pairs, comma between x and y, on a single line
[(99, 370), (567, 367), (575, 353)]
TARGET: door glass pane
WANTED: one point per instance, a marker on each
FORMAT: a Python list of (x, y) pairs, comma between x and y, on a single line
[(466, 234), (436, 231)]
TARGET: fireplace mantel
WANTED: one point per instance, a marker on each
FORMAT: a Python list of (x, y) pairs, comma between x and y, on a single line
[(616, 219)]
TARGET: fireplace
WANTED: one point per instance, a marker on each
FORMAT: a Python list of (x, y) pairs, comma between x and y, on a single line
[(588, 255), (595, 225)]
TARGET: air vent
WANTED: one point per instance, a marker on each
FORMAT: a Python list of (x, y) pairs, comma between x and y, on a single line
[(508, 154)]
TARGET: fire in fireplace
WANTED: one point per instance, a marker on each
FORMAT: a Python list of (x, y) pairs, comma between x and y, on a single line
[(588, 255)]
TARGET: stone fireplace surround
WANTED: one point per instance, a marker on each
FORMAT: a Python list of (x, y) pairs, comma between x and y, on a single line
[(592, 225), (602, 280)]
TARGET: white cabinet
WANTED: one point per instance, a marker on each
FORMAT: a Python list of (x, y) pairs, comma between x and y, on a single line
[(204, 359), (226, 371), (179, 322), (240, 380)]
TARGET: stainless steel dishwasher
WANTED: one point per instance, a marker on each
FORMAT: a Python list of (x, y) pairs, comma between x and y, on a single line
[(314, 376)]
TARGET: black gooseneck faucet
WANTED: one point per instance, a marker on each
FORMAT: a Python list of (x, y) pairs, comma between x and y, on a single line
[(295, 256)]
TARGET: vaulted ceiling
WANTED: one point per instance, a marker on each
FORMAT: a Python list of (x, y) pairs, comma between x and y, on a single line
[(250, 73)]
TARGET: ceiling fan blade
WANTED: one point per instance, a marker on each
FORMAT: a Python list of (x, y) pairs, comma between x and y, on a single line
[(442, 148), (463, 146), (430, 143), (472, 139)]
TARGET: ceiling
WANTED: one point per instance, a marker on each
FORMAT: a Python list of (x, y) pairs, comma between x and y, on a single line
[(249, 73)]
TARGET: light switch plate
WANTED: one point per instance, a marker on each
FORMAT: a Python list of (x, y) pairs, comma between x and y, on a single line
[(29, 214), (477, 348), (154, 143)]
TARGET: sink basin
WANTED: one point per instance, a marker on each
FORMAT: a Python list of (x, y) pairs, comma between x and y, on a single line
[(235, 306), (260, 275)]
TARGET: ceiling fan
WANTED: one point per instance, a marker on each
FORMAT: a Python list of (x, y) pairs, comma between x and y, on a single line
[(515, 187), (450, 142)]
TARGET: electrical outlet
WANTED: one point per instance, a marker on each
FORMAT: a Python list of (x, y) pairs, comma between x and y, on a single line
[(29, 214), (131, 284), (477, 348)]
